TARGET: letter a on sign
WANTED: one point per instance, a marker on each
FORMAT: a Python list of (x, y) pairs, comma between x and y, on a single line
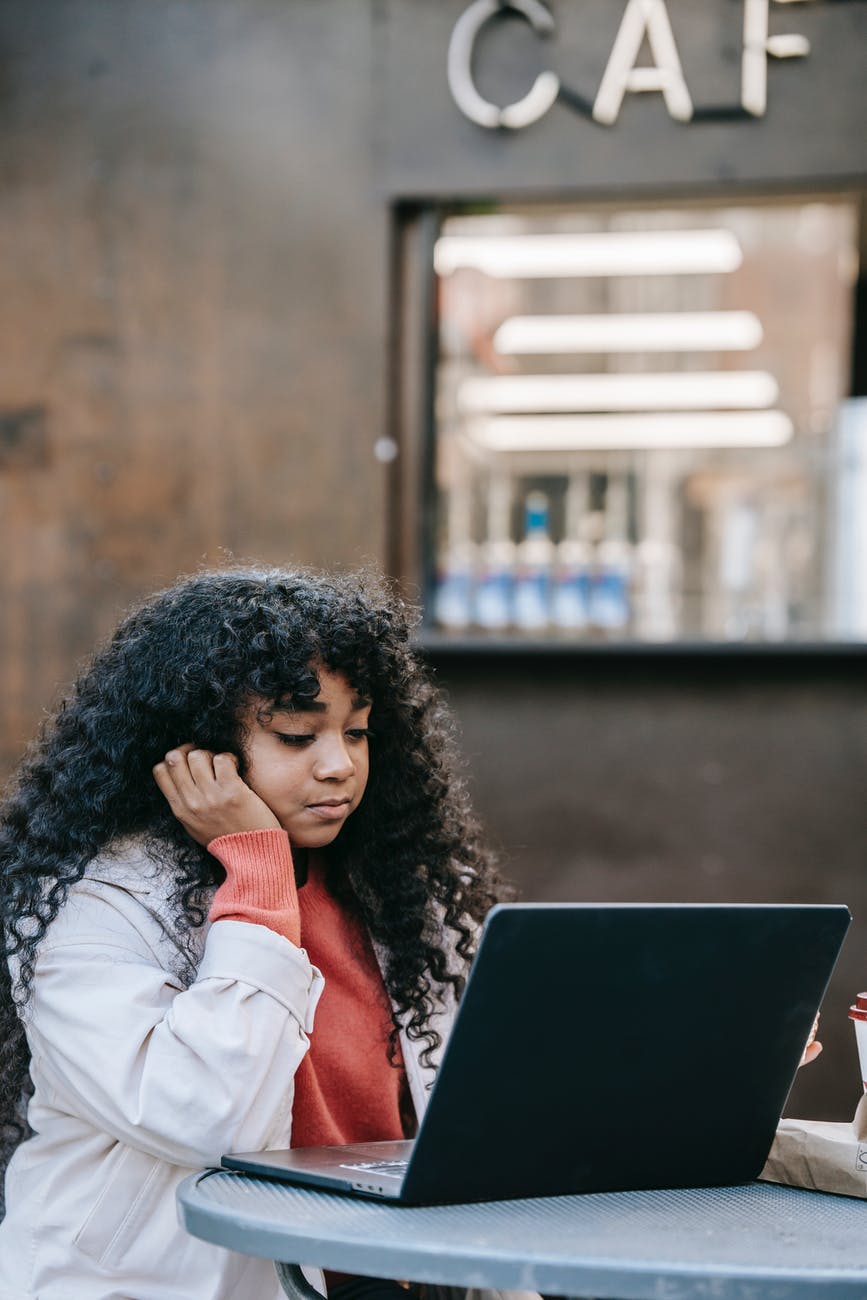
[(643, 18)]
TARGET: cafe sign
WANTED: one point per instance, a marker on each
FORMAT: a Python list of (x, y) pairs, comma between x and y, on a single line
[(645, 24)]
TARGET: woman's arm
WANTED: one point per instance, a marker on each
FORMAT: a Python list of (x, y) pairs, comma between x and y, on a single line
[(185, 1074)]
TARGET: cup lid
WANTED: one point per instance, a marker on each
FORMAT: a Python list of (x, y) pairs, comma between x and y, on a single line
[(858, 1011)]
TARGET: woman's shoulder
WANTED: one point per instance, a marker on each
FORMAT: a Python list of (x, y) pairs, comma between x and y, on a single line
[(128, 864), (126, 897)]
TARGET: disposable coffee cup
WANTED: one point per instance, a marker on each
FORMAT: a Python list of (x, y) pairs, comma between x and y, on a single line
[(858, 1015)]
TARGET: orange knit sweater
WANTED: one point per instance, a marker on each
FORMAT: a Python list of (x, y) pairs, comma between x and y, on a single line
[(346, 1090)]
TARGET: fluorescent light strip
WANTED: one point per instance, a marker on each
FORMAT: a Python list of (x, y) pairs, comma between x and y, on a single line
[(682, 391), (696, 331), (651, 252), (631, 432)]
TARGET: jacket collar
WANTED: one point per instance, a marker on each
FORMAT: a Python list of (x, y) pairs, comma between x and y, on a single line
[(125, 863)]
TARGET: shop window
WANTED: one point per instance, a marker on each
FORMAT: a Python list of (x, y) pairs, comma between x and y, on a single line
[(643, 427)]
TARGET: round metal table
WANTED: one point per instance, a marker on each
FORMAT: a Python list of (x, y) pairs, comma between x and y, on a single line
[(756, 1242)]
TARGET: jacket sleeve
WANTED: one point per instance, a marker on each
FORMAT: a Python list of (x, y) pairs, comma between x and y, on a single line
[(184, 1074)]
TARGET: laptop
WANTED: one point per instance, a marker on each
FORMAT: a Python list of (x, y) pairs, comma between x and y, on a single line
[(603, 1047)]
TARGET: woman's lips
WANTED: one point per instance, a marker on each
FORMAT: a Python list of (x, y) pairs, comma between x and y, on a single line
[(331, 811)]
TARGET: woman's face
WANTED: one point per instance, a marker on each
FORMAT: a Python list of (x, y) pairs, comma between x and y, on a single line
[(310, 765)]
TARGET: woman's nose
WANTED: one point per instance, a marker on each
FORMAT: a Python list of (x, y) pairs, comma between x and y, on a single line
[(334, 761)]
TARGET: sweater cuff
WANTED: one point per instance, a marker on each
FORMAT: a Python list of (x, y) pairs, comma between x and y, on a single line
[(260, 881)]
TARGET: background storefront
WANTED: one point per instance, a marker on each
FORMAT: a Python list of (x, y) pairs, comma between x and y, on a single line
[(226, 333)]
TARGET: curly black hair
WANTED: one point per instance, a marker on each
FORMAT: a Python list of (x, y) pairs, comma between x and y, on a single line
[(184, 666)]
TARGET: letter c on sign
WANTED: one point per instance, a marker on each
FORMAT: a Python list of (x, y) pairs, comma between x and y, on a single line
[(542, 93)]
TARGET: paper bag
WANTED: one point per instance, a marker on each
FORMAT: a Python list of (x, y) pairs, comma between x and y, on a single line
[(823, 1156)]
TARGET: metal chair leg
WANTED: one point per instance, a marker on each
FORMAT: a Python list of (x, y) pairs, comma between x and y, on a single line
[(294, 1283)]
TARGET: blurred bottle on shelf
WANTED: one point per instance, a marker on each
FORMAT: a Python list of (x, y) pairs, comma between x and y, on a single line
[(659, 568), (453, 604), (739, 536), (610, 597), (570, 597), (534, 564), (496, 560)]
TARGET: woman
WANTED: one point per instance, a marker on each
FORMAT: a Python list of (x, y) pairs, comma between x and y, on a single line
[(240, 888)]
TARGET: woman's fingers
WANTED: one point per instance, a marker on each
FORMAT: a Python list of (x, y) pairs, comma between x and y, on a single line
[(186, 779), (200, 764), (810, 1053), (176, 766), (225, 768), (812, 1050), (207, 795), (190, 773), (163, 778), (172, 773)]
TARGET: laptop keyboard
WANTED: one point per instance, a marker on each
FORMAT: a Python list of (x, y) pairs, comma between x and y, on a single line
[(388, 1168)]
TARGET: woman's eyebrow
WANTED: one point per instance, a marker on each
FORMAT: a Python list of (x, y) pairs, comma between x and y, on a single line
[(319, 706), (303, 706)]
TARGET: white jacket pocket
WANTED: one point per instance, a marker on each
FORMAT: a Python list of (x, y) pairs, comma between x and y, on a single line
[(134, 1183)]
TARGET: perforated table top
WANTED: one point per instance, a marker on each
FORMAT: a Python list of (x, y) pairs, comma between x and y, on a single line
[(756, 1242)]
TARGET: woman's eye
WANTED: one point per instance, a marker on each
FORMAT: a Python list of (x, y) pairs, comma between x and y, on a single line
[(360, 733), (297, 740)]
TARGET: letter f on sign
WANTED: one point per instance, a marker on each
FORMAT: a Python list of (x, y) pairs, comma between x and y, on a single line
[(757, 46)]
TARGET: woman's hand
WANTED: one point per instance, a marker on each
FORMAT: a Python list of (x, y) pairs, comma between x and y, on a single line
[(208, 797)]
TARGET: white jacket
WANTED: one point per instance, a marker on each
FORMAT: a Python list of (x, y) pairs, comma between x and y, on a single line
[(142, 1076)]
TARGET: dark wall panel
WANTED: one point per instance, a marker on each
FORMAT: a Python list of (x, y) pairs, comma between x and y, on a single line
[(680, 778)]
